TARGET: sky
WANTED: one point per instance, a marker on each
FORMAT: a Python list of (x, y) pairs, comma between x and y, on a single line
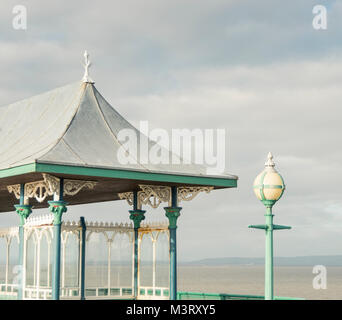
[(257, 69)]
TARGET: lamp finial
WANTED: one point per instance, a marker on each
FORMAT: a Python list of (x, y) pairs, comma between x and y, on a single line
[(269, 162), (86, 65)]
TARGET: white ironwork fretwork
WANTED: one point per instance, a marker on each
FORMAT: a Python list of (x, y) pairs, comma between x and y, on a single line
[(154, 225), (155, 195), (38, 190), (40, 220), (189, 193), (128, 196), (72, 187), (15, 189), (52, 184), (49, 186), (149, 195)]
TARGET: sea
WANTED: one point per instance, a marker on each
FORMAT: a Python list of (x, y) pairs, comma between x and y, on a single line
[(289, 281)]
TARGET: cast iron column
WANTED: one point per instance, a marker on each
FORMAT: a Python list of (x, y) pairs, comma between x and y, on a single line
[(57, 208), (172, 213), (83, 251), (269, 227), (23, 211), (136, 215), (269, 255)]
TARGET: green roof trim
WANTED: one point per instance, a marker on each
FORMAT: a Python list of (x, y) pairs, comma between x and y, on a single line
[(136, 175), (16, 171), (117, 173)]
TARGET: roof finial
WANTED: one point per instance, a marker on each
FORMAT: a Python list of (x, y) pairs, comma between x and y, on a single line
[(269, 162), (87, 64)]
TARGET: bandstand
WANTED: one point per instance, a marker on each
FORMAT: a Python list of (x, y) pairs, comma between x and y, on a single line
[(60, 149), (107, 268)]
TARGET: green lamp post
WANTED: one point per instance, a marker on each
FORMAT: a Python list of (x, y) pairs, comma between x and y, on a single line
[(269, 187)]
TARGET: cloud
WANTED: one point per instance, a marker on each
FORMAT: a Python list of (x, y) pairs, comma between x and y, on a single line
[(255, 68)]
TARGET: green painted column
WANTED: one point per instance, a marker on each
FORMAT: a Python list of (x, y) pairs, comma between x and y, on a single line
[(269, 227), (57, 208), (83, 252), (172, 213), (23, 211), (269, 280), (136, 215)]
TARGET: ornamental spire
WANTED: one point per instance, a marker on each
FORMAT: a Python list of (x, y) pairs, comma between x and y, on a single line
[(87, 65), (269, 162)]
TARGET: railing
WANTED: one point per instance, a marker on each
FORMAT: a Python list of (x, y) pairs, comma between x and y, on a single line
[(73, 293), (109, 293), (66, 293), (70, 293), (34, 293), (153, 293), (45, 293), (8, 290), (223, 296)]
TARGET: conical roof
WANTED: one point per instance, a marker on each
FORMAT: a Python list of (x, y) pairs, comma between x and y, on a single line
[(72, 132), (72, 125)]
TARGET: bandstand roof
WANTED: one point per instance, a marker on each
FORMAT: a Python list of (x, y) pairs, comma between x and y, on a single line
[(71, 132)]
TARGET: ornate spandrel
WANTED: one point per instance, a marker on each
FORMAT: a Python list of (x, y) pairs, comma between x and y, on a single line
[(128, 196), (38, 190), (155, 195), (149, 195), (49, 186), (72, 187), (52, 184), (189, 193), (15, 189)]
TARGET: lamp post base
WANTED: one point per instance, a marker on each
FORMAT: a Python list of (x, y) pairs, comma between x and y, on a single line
[(269, 227)]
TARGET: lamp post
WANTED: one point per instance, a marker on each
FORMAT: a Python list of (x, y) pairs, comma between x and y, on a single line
[(269, 187)]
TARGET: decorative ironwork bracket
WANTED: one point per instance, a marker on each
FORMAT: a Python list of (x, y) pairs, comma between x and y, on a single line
[(40, 190), (155, 195), (128, 196), (189, 193)]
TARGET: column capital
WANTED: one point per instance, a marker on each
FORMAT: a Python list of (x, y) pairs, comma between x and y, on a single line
[(23, 210), (172, 213), (137, 216), (268, 203), (57, 208)]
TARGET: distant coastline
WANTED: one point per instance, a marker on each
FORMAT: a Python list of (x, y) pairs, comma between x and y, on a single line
[(278, 261)]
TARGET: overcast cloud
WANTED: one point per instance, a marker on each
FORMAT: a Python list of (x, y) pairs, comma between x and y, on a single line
[(256, 68)]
